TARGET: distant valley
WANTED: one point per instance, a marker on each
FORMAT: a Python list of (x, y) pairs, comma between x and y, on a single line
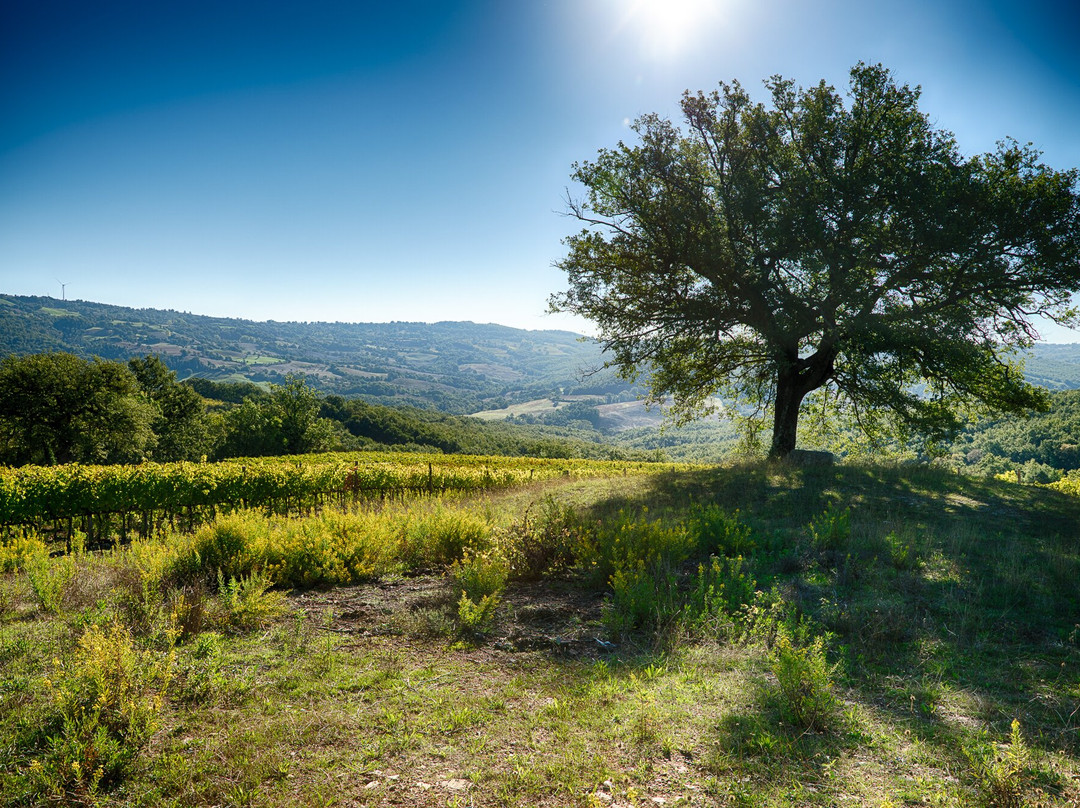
[(456, 367)]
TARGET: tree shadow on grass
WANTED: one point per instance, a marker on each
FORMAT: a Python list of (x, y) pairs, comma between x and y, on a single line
[(966, 584)]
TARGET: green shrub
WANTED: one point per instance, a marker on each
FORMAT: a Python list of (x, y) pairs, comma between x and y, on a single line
[(440, 537), (642, 596), (545, 543), (804, 682), (247, 603), (49, 577), (332, 548), (629, 541), (16, 552), (903, 555), (475, 615), (830, 531), (232, 545), (721, 592), (1001, 776), (716, 531), (107, 697), (480, 574)]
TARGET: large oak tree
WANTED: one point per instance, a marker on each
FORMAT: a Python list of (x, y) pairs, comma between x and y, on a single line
[(770, 251)]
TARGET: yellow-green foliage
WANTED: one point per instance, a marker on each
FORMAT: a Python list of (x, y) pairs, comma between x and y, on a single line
[(638, 598), (16, 551), (722, 590), (715, 530), (106, 699), (638, 558), (831, 530), (234, 545), (628, 542), (331, 548), (478, 574), (49, 578), (804, 679), (1001, 776), (1067, 485), (246, 602), (153, 558), (440, 536), (32, 493), (475, 615)]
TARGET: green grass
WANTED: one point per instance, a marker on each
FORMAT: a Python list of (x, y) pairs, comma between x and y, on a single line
[(860, 635), (263, 360)]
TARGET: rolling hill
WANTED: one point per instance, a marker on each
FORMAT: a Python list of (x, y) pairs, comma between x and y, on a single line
[(457, 367)]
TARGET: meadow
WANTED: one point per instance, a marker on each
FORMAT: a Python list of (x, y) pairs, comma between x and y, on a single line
[(756, 635)]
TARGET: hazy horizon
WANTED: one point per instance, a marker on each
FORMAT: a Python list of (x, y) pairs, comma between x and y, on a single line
[(410, 162), (580, 333)]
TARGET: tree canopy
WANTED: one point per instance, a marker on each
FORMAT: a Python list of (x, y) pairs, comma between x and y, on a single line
[(58, 408), (822, 244)]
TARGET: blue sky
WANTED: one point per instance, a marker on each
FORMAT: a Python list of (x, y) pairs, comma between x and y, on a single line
[(355, 161)]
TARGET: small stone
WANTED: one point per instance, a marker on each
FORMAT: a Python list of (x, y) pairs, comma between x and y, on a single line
[(423, 786), (659, 800), (457, 784), (603, 796), (372, 784)]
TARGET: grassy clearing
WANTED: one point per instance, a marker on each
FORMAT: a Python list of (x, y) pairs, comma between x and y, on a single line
[(744, 636)]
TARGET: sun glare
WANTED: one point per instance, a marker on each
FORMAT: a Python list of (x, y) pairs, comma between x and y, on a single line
[(668, 28)]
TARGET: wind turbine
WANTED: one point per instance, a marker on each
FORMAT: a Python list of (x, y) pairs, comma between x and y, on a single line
[(63, 288)]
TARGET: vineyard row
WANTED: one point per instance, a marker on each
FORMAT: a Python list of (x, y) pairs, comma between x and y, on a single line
[(142, 498)]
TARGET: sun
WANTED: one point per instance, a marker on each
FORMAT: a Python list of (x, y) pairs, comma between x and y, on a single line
[(668, 28)]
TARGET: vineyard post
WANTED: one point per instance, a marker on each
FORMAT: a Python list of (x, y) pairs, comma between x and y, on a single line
[(430, 479)]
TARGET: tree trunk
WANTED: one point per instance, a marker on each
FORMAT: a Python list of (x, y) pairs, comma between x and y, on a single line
[(793, 381), (789, 396)]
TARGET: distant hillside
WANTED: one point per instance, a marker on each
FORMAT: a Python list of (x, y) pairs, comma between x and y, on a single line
[(1055, 367), (457, 367)]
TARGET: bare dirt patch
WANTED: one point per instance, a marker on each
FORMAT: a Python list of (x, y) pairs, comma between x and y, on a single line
[(553, 615)]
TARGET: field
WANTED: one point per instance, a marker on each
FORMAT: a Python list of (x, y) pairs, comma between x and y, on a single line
[(748, 635)]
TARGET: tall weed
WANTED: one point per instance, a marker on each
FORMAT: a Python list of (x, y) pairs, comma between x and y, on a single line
[(548, 542), (475, 615), (830, 531), (440, 537), (641, 595), (331, 548), (233, 545), (49, 578), (716, 531), (1001, 775), (479, 574), (17, 551), (247, 602), (721, 592), (107, 699), (631, 541), (805, 686)]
